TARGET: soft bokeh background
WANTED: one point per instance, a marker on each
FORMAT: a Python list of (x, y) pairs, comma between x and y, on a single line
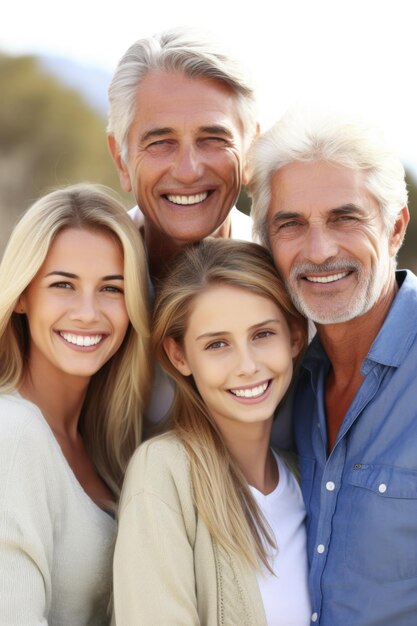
[(56, 61)]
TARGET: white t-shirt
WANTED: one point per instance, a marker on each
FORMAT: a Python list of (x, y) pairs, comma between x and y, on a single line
[(285, 595)]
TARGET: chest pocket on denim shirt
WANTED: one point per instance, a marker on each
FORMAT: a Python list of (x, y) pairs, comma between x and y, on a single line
[(381, 536)]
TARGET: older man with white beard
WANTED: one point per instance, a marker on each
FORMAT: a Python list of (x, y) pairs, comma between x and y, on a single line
[(329, 199)]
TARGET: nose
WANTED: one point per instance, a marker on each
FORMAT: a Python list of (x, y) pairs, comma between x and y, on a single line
[(85, 309), (247, 364), (187, 166), (320, 244)]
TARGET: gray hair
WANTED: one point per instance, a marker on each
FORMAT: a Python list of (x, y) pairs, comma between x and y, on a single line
[(177, 50), (301, 136)]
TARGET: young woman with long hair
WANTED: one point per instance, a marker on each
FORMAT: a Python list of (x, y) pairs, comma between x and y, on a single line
[(74, 378), (211, 519)]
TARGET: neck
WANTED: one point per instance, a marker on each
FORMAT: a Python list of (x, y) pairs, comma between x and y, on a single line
[(60, 402), (249, 446), (161, 249), (347, 344)]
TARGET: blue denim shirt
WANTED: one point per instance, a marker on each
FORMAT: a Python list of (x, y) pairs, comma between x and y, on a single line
[(362, 498)]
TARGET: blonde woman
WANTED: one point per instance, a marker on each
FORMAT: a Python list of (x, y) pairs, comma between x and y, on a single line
[(73, 384), (211, 520)]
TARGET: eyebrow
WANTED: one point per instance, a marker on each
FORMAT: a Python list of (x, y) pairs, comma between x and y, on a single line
[(215, 129), (344, 209), (273, 320), (347, 208), (157, 132), (70, 275)]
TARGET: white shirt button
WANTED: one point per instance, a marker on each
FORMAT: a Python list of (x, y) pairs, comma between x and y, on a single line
[(314, 617), (320, 548), (382, 488), (330, 486)]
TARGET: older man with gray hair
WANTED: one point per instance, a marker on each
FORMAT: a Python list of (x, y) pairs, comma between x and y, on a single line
[(182, 116), (329, 199)]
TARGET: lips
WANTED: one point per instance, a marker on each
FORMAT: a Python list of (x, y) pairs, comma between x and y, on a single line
[(250, 392), (84, 341)]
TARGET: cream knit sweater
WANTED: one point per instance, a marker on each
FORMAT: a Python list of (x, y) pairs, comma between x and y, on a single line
[(168, 571), (55, 544)]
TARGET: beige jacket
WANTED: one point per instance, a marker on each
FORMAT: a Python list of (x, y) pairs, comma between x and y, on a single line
[(167, 568)]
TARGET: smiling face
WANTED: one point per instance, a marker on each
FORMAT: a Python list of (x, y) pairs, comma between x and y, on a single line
[(75, 306), (185, 155), (329, 241), (239, 350)]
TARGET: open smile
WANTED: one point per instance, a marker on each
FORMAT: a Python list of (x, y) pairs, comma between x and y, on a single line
[(330, 278), (83, 341), (255, 391), (187, 199)]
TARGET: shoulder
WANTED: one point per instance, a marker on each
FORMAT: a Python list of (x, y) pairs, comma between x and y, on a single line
[(159, 468), (158, 457), (157, 460), (27, 453), (21, 421)]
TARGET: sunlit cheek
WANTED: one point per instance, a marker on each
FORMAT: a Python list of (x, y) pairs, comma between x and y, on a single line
[(281, 359)]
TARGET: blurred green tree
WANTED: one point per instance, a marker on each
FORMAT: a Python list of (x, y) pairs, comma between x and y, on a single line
[(49, 136)]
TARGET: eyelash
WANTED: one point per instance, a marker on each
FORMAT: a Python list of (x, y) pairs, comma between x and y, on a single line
[(112, 289), (263, 334), (215, 345), (106, 288), (62, 285)]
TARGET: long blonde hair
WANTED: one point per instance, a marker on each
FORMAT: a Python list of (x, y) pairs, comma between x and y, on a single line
[(221, 492), (111, 417)]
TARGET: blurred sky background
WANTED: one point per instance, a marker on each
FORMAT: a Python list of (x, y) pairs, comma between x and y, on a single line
[(358, 55)]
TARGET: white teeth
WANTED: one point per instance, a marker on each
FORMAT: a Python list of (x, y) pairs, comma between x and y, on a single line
[(253, 392), (198, 197), (82, 340), (326, 279)]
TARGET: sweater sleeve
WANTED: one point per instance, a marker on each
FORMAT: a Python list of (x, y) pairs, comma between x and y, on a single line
[(154, 580), (26, 530)]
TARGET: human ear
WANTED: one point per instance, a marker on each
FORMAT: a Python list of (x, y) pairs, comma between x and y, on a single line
[(398, 231), (297, 339), (176, 355), (121, 166), (20, 305)]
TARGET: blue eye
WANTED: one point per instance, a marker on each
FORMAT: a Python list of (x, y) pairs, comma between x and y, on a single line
[(216, 345)]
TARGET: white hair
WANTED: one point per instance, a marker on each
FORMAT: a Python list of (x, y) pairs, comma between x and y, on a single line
[(308, 136)]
